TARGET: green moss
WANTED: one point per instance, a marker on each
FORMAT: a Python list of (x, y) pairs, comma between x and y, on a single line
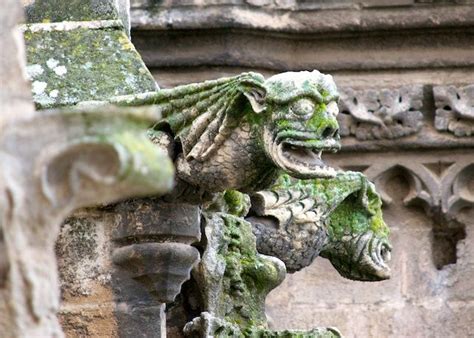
[(349, 217), (378, 225), (353, 217), (248, 277), (314, 333), (255, 119), (320, 120), (357, 206), (283, 124), (237, 203)]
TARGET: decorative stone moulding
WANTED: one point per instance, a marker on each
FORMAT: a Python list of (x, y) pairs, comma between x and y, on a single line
[(380, 114), (442, 193), (455, 109)]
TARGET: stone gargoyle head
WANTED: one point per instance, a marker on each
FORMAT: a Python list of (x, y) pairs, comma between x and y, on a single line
[(240, 132), (301, 122), (338, 218), (357, 244)]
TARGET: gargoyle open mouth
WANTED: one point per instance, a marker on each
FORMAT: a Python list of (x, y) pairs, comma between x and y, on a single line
[(300, 155)]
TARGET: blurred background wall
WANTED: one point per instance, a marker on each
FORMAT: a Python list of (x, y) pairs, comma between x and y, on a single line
[(405, 69)]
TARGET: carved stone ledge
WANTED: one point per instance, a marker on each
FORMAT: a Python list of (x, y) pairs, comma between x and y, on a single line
[(306, 16), (50, 165), (380, 114), (455, 109)]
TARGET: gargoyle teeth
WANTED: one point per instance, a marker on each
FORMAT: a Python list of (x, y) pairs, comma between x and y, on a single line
[(299, 157)]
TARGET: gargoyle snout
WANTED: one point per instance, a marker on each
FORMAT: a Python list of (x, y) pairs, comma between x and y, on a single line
[(385, 252), (381, 256), (327, 128), (330, 132)]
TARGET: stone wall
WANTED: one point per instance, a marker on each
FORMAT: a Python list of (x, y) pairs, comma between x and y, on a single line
[(405, 70)]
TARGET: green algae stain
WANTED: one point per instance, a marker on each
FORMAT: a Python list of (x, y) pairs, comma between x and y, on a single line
[(320, 120)]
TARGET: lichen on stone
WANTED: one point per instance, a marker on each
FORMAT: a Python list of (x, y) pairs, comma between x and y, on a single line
[(83, 64), (72, 10)]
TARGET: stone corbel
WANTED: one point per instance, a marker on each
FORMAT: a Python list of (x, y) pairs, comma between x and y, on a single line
[(153, 258), (52, 164)]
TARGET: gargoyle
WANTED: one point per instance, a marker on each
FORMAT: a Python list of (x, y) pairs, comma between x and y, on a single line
[(339, 219), (235, 133), (239, 132)]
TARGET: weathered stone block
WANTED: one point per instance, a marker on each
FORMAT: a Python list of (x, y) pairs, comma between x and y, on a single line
[(73, 62), (158, 220), (46, 11)]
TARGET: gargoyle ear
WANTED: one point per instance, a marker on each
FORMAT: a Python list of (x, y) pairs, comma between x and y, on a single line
[(256, 97), (363, 195)]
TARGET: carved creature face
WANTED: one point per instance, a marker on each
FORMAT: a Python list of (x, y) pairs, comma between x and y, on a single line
[(302, 109), (358, 245), (339, 218)]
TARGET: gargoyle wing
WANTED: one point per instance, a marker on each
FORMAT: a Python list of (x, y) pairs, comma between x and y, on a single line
[(203, 115)]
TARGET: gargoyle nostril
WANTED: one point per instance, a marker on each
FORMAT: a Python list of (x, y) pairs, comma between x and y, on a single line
[(385, 252), (328, 132)]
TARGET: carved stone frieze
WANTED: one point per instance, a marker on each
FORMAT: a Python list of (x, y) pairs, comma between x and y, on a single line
[(455, 109), (380, 114)]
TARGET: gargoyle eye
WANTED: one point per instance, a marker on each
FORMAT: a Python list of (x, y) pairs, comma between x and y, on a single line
[(302, 107), (332, 108)]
